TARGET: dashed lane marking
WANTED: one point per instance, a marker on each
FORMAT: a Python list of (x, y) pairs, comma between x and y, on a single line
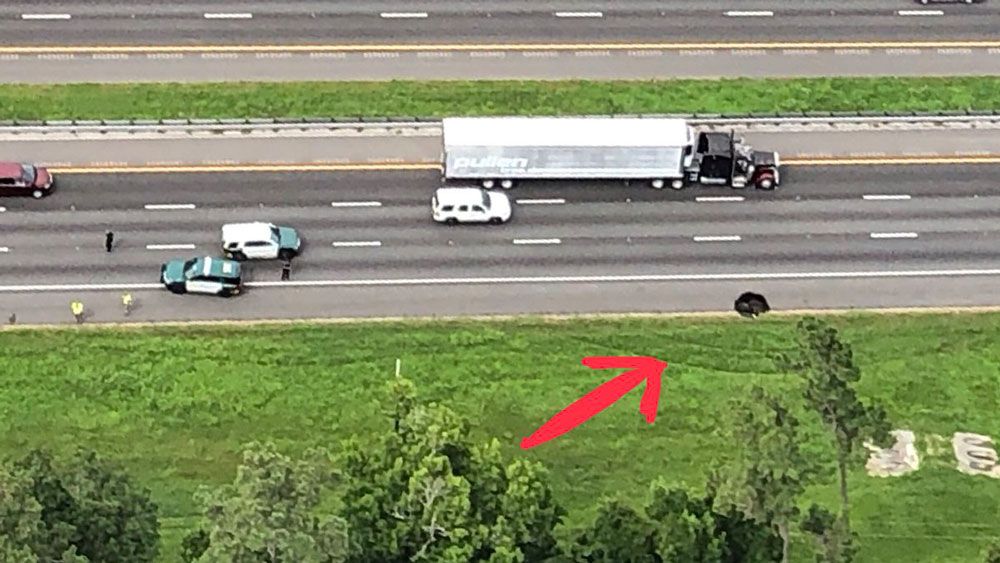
[(168, 206), (228, 16), (723, 238), (403, 15), (553, 201), (707, 199), (750, 13), (892, 235), (357, 243), (885, 197), (579, 14), (530, 241), (46, 16), (170, 247), (356, 204), (920, 12)]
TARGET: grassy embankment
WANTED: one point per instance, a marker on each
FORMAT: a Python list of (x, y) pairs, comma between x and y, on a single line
[(176, 404), (430, 99)]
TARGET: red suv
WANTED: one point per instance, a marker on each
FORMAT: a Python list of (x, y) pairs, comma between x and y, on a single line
[(19, 179)]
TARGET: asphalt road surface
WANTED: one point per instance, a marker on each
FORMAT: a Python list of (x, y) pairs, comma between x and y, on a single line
[(424, 145), (69, 22), (77, 41), (832, 237)]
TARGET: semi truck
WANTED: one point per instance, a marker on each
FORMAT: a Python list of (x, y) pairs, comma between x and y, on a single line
[(500, 151)]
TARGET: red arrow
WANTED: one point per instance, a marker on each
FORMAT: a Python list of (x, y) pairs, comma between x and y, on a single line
[(642, 368)]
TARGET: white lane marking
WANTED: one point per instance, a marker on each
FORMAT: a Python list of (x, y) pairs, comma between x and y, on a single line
[(45, 16), (403, 15), (920, 12), (579, 14), (749, 13), (356, 204), (3, 209), (357, 243), (554, 201), (893, 235), (723, 238), (742, 276), (170, 247), (720, 198), (4, 249), (537, 241), (168, 206), (885, 197), (228, 16)]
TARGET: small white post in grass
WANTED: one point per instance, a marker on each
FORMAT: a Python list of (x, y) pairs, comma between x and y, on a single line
[(398, 362)]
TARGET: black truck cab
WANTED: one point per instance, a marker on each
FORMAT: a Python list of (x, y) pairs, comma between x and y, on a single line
[(722, 159)]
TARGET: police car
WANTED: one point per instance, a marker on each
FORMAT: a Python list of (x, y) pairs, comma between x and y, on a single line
[(213, 276)]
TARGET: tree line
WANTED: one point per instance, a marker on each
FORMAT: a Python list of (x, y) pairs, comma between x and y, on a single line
[(422, 490)]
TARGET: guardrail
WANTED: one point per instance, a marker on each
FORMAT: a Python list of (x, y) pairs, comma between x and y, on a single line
[(420, 122)]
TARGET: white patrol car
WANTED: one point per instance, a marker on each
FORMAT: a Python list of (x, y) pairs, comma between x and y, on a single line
[(470, 205)]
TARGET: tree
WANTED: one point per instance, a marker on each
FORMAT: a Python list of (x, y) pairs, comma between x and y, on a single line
[(827, 366), (833, 540), (422, 491), (20, 518), (268, 514), (768, 471), (993, 553), (675, 527), (89, 510)]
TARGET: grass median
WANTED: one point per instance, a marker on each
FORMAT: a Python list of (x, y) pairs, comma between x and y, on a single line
[(175, 404), (442, 98)]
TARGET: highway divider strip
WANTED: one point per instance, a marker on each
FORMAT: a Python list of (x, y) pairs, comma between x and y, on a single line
[(405, 166), (969, 116), (460, 47)]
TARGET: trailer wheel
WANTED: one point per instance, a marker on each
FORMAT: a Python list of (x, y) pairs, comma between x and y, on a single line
[(677, 184), (658, 184), (506, 184), (488, 184)]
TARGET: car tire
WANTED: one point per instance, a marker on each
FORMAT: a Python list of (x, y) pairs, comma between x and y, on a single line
[(286, 255), (506, 184), (495, 221), (238, 256), (176, 289), (451, 221), (37, 194)]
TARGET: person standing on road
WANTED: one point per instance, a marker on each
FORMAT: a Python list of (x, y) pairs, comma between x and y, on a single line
[(109, 240), (77, 308), (286, 270)]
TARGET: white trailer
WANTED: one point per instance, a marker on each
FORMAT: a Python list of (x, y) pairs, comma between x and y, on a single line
[(501, 150)]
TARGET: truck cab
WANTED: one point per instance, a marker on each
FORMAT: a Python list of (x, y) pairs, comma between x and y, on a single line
[(723, 159)]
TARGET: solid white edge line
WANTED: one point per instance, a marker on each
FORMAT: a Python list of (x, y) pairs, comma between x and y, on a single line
[(893, 235), (553, 201), (403, 15), (751, 276), (357, 243), (706, 199), (46, 16), (749, 13), (885, 197), (167, 206), (537, 241), (170, 247), (356, 204), (228, 16), (723, 238), (579, 14), (920, 12)]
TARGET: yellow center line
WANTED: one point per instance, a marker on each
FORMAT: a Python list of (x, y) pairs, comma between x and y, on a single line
[(344, 48), (398, 166)]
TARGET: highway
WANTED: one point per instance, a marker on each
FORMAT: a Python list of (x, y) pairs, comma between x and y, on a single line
[(316, 144), (831, 237), (83, 41)]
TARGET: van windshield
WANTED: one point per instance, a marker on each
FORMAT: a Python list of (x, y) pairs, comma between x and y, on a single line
[(275, 234), (28, 173)]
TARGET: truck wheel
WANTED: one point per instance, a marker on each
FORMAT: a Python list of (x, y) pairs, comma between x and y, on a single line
[(766, 183), (657, 184), (488, 184), (506, 184), (677, 184)]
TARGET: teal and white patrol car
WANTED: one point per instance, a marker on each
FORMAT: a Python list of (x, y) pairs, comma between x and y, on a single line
[(214, 276), (260, 241)]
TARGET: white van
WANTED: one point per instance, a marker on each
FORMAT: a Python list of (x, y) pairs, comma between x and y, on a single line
[(470, 205), (242, 241)]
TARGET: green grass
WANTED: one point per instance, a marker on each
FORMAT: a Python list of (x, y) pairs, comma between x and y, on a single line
[(441, 98), (175, 404)]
